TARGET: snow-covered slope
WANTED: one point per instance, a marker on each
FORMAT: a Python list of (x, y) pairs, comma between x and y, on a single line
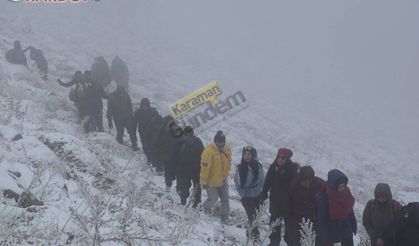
[(316, 81)]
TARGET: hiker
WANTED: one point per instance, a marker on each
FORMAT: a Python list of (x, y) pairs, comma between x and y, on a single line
[(379, 213), (215, 168), (404, 230), (188, 167), (92, 99), (40, 61), (335, 214), (120, 110), (148, 122), (302, 203), (17, 55), (120, 72), (100, 72), (166, 148), (278, 183), (76, 94), (249, 179)]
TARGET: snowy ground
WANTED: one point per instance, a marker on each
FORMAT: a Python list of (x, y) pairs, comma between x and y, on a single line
[(96, 189)]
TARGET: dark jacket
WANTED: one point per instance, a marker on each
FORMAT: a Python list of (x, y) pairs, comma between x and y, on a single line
[(188, 162), (278, 183), (144, 119), (120, 72), (100, 72), (16, 56), (40, 61), (333, 230), (302, 200), (150, 139), (149, 124), (377, 216), (404, 230), (119, 106), (92, 98), (168, 143)]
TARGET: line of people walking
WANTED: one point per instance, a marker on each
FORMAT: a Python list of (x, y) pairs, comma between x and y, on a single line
[(294, 193), (92, 86)]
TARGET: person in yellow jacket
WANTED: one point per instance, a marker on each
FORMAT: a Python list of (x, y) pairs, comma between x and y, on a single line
[(215, 168)]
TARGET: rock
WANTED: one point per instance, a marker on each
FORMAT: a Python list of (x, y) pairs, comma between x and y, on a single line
[(17, 137), (15, 174), (11, 194), (27, 200)]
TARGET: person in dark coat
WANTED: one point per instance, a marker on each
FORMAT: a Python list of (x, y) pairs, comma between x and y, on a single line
[(379, 213), (17, 55), (92, 99), (249, 179), (100, 72), (302, 202), (335, 214), (167, 147), (152, 136), (120, 72), (76, 94), (120, 109), (278, 183), (404, 230), (148, 122), (40, 61), (188, 167)]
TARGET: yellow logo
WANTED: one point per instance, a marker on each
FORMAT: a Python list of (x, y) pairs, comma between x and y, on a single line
[(208, 93)]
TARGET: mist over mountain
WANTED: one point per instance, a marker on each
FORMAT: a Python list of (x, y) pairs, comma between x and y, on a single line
[(335, 81)]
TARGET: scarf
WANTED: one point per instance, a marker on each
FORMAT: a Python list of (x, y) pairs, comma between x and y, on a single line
[(340, 203)]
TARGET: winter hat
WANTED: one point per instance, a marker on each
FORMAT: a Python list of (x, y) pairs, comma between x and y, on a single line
[(382, 190), (252, 151), (188, 130), (145, 102), (219, 137), (285, 152), (306, 173)]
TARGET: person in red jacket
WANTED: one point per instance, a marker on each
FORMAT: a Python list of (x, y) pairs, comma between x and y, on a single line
[(336, 222)]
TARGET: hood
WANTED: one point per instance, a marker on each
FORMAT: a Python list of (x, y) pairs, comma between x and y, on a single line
[(306, 173), (382, 190), (334, 177)]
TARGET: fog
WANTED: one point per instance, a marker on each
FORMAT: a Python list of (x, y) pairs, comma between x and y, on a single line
[(352, 64)]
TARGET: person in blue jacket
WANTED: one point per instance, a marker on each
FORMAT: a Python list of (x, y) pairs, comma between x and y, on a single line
[(249, 179), (336, 218)]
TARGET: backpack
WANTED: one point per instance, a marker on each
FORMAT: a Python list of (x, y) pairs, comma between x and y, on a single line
[(411, 212), (396, 207)]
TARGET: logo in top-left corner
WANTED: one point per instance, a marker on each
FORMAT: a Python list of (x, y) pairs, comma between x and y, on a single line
[(16, 1)]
